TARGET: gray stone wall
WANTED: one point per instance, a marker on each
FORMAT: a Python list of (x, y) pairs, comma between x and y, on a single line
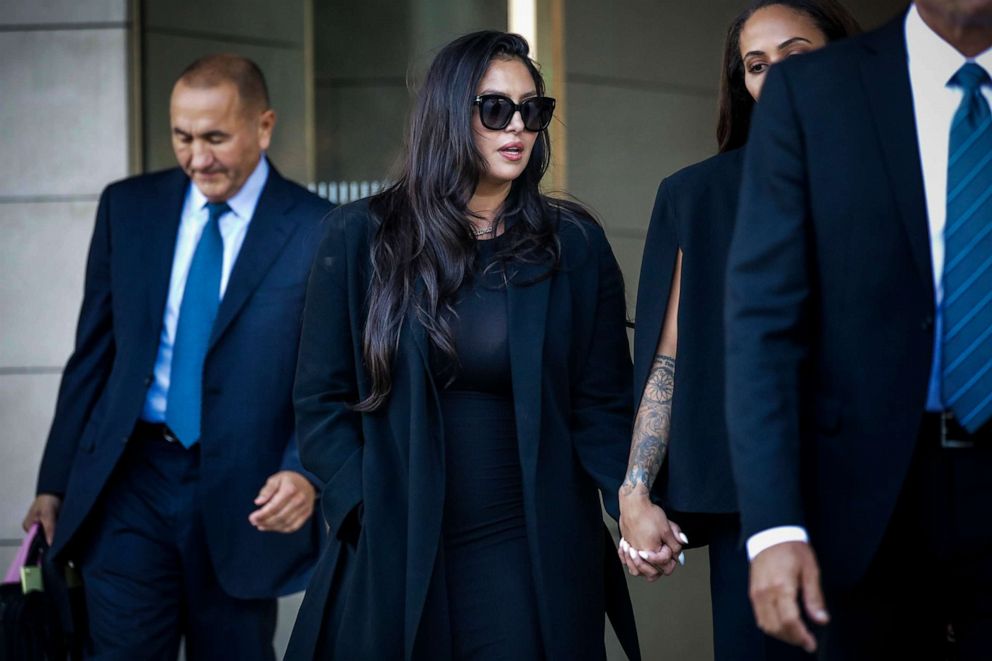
[(65, 116)]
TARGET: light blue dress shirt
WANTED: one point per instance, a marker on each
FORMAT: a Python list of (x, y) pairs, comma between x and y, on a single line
[(932, 63), (233, 228)]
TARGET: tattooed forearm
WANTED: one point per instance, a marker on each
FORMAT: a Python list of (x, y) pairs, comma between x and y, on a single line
[(652, 427)]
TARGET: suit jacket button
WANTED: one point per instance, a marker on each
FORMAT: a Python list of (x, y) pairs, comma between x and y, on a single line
[(124, 439), (927, 323), (149, 380)]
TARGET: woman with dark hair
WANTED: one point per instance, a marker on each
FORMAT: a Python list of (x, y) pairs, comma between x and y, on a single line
[(679, 452), (740, 85), (464, 392)]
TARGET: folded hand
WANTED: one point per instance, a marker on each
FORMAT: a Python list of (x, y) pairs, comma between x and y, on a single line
[(651, 544)]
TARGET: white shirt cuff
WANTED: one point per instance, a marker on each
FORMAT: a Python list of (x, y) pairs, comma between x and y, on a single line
[(778, 535)]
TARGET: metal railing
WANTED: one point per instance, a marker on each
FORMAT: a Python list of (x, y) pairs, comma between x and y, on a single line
[(342, 192)]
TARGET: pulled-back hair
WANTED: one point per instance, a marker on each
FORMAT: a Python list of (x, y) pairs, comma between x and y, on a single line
[(423, 248), (219, 68), (736, 103)]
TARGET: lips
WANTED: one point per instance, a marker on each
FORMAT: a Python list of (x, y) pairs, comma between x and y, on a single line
[(512, 151)]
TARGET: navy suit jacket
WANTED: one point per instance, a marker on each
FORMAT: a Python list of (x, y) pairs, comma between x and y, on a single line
[(248, 422), (830, 300)]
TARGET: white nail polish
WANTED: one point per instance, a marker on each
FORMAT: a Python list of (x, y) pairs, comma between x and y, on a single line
[(685, 540), (633, 553), (643, 554), (682, 558)]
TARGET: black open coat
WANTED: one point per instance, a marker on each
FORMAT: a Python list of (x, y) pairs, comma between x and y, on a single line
[(694, 212), (384, 472)]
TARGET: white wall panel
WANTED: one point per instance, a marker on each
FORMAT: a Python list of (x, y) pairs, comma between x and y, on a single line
[(64, 111), (61, 12), (42, 263), (26, 405)]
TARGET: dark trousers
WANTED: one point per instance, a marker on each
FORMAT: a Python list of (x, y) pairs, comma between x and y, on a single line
[(932, 571), (736, 636), (147, 573)]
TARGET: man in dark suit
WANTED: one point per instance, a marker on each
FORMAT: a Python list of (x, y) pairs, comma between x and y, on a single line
[(859, 387), (171, 468)]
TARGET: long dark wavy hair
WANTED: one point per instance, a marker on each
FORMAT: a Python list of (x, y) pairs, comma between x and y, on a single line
[(736, 103), (423, 248)]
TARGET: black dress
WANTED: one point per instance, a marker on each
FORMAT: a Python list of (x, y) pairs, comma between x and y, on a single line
[(487, 567)]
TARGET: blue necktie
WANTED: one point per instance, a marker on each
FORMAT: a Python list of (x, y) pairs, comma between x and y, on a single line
[(967, 278), (201, 298)]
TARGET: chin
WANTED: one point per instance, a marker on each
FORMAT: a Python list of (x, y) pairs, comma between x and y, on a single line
[(214, 190), (507, 175)]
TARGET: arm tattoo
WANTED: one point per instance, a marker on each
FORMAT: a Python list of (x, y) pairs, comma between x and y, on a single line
[(652, 427)]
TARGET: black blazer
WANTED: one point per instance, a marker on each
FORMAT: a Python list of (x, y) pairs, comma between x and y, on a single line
[(830, 300), (248, 425), (694, 210), (570, 367)]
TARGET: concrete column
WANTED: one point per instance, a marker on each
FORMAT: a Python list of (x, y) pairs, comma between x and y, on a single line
[(64, 68)]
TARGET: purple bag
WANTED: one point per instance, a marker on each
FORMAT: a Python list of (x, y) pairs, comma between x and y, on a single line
[(20, 560)]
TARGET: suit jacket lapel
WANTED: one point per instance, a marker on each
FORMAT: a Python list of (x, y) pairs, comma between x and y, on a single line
[(886, 78), (527, 308), (159, 244), (270, 228)]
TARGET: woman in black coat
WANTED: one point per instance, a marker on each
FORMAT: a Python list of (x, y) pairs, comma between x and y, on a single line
[(679, 451), (463, 391)]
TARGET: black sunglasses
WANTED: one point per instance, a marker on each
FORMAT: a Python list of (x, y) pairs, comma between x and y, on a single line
[(496, 111)]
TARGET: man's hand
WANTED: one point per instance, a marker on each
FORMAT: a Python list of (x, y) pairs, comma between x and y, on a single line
[(44, 509), (781, 575), (653, 543), (285, 503)]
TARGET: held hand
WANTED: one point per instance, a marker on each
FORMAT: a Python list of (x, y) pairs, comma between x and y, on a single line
[(781, 575), (285, 503), (651, 544), (44, 509), (650, 565)]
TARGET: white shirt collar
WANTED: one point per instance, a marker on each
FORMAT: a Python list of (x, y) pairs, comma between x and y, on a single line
[(932, 59), (245, 200)]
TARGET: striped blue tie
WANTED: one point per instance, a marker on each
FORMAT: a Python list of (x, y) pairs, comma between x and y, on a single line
[(967, 278), (201, 298)]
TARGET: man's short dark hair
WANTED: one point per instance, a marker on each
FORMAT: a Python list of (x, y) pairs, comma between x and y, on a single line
[(219, 68)]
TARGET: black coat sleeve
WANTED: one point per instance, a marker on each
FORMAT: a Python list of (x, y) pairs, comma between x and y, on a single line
[(86, 374), (602, 408), (661, 247), (768, 291), (329, 430)]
